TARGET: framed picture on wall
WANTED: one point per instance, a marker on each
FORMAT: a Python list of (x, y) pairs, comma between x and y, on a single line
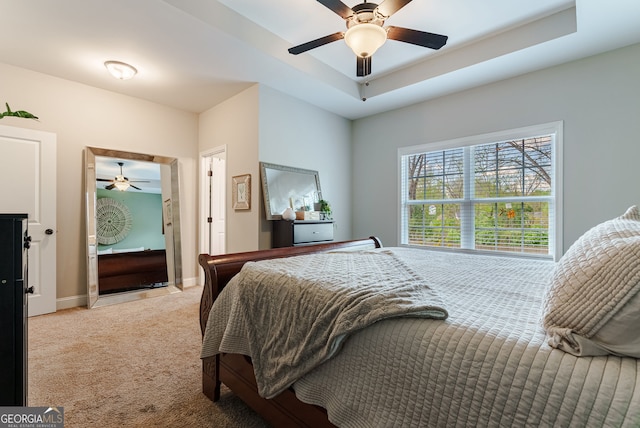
[(241, 192)]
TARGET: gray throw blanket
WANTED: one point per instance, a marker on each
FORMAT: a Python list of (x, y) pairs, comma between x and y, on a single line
[(290, 315)]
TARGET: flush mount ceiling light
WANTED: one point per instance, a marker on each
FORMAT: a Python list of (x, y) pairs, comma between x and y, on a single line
[(120, 70)]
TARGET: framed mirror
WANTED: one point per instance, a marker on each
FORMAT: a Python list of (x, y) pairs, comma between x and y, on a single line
[(133, 226), (288, 187)]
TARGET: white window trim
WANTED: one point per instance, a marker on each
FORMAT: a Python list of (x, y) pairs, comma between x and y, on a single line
[(551, 128)]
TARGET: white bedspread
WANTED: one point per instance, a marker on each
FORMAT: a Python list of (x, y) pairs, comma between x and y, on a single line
[(292, 314), (487, 365)]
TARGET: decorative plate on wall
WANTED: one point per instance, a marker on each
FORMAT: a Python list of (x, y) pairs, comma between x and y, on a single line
[(114, 221)]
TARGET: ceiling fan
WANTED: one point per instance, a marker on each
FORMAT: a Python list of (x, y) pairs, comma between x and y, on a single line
[(121, 182), (365, 33)]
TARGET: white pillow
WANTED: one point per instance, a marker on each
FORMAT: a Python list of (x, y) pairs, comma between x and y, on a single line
[(592, 305)]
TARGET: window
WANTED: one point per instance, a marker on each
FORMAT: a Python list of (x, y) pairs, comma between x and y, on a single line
[(495, 192)]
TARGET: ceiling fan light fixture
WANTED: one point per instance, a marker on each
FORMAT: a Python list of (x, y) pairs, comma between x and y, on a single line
[(120, 70), (365, 39), (121, 185)]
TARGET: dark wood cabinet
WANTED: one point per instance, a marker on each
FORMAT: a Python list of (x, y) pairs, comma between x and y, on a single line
[(14, 242), (132, 270), (288, 233)]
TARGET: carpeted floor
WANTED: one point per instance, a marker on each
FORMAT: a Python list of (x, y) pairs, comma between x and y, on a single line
[(133, 364)]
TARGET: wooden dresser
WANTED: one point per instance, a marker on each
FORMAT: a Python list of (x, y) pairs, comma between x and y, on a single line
[(131, 270)]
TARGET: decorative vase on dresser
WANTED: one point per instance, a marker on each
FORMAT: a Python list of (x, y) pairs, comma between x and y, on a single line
[(14, 244)]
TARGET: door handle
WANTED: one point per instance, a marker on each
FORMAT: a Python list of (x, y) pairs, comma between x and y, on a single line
[(29, 290), (48, 232)]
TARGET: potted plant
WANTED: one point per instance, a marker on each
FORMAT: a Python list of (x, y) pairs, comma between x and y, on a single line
[(325, 209), (18, 113)]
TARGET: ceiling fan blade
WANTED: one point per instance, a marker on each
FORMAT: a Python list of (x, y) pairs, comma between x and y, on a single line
[(135, 187), (416, 37), (338, 7), (103, 179), (111, 186), (389, 7), (363, 66), (316, 43)]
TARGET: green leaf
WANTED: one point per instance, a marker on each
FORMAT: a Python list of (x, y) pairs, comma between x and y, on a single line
[(19, 113), (25, 114)]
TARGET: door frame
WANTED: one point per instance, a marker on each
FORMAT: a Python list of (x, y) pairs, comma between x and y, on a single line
[(204, 199)]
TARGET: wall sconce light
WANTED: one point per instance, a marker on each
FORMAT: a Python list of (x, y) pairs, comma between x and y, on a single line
[(120, 70)]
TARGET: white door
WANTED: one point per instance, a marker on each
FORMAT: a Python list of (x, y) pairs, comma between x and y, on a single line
[(217, 206), (213, 202), (28, 174)]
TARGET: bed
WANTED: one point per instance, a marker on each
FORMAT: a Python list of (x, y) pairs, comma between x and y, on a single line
[(517, 342)]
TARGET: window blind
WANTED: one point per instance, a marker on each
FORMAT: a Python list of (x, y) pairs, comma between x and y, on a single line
[(496, 196)]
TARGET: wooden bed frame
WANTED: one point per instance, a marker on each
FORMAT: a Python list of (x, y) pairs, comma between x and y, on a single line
[(236, 371)]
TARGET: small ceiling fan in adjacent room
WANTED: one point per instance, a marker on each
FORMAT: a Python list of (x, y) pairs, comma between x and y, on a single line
[(120, 182), (365, 33)]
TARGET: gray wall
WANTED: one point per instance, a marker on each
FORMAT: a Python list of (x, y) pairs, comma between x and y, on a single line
[(598, 99), (262, 124), (234, 124), (295, 133)]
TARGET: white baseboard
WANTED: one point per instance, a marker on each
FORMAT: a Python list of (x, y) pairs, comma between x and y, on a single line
[(71, 302), (76, 301), (190, 282)]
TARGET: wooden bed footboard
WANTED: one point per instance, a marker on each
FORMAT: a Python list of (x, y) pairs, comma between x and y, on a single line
[(236, 371)]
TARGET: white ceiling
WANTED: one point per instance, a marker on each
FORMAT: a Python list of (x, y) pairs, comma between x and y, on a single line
[(194, 54)]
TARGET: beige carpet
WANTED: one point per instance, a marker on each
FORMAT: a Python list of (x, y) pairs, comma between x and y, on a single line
[(133, 364)]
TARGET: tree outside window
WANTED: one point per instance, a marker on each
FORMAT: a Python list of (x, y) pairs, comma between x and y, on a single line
[(496, 197)]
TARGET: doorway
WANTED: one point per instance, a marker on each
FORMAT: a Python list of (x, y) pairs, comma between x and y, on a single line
[(213, 183)]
